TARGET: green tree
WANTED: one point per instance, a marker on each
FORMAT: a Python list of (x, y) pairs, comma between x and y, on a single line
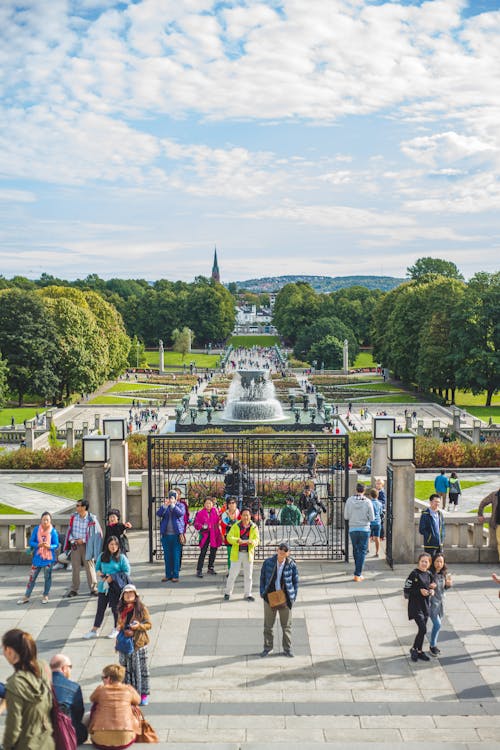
[(477, 336), (110, 323), (4, 386), (137, 353), (433, 266), (328, 350), (317, 331), (210, 311), (28, 342), (296, 307), (182, 341)]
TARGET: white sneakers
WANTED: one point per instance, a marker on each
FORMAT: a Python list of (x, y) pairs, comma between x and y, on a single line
[(113, 633), (90, 634), (24, 600)]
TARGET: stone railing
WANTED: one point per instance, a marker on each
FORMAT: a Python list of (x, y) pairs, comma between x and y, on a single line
[(466, 540), (15, 531)]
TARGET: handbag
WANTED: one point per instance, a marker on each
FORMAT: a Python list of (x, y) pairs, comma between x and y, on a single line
[(182, 538), (63, 730), (124, 643), (147, 733), (276, 599)]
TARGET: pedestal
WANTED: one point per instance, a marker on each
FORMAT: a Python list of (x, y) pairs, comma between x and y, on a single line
[(476, 435), (403, 511), (29, 436), (70, 437), (379, 458), (96, 488)]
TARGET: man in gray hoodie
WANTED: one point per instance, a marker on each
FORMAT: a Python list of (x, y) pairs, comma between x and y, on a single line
[(359, 512)]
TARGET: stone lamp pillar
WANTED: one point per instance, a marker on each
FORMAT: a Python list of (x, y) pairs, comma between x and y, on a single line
[(436, 428), (401, 496), (70, 435), (476, 431), (116, 430), (96, 474), (382, 426)]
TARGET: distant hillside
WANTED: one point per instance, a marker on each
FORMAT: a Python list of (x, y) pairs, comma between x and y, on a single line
[(320, 283)]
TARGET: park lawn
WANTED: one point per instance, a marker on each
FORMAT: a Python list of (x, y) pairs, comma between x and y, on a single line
[(485, 412), (69, 490), (7, 510), (253, 340), (175, 359), (466, 399), (130, 385), (19, 414), (387, 387), (425, 487), (398, 398), (364, 359), (122, 400)]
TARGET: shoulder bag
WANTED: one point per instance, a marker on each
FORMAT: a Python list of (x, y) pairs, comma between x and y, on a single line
[(63, 730), (124, 643), (277, 599)]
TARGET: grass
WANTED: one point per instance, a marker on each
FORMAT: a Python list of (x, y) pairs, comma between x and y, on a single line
[(387, 387), (425, 487), (364, 359), (465, 399), (485, 412), (69, 490), (19, 414), (7, 510), (404, 398), (249, 341), (122, 400), (133, 386), (175, 359)]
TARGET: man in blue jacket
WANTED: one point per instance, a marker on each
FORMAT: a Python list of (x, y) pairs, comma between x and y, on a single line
[(68, 694), (279, 574), (431, 526)]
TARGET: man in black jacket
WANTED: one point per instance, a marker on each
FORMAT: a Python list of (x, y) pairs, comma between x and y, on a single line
[(279, 574)]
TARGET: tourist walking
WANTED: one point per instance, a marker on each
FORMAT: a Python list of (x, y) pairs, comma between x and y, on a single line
[(376, 524), (228, 516), (312, 459), (113, 723), (68, 694), (113, 569), (442, 579), (279, 585), (441, 485), (243, 537), (454, 491), (207, 523), (172, 527), (135, 621), (432, 526), (492, 499), (27, 694), (84, 538), (359, 514), (418, 589), (43, 544)]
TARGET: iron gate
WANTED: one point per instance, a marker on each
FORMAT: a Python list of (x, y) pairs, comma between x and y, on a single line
[(265, 468), (388, 517)]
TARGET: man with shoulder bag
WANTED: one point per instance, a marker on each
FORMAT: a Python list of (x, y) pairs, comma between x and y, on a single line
[(279, 584)]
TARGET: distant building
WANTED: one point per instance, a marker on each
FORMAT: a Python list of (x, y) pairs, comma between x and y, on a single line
[(215, 268)]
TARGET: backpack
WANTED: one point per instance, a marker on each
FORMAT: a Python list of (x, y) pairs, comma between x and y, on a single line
[(62, 727)]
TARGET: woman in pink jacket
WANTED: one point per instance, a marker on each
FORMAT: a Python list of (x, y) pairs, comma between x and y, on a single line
[(207, 523)]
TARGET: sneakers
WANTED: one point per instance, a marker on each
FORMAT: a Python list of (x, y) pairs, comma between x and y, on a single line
[(199, 574), (413, 654), (24, 600), (250, 598), (90, 634), (422, 656), (94, 592), (266, 652), (226, 597), (71, 593), (358, 579), (113, 633), (144, 700), (435, 650), (174, 580), (212, 572), (45, 599), (288, 652)]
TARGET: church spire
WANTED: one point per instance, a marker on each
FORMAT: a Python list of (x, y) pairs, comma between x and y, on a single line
[(215, 267)]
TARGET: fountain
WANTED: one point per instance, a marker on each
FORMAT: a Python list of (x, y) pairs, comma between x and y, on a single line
[(252, 398)]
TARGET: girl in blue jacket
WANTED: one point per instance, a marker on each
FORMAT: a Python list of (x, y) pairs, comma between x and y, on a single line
[(44, 541)]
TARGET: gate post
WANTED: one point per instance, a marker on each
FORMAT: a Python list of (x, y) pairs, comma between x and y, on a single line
[(401, 470)]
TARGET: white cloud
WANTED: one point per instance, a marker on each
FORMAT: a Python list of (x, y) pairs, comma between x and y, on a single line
[(17, 196)]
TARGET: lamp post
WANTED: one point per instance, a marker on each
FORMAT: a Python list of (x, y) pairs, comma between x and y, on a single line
[(116, 430), (381, 427), (96, 473), (400, 510)]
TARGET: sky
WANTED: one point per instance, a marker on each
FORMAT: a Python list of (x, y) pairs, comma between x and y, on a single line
[(318, 137)]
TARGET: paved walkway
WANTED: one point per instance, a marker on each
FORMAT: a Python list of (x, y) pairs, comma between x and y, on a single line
[(351, 684)]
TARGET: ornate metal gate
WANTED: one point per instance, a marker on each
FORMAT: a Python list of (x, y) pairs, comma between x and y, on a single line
[(265, 468)]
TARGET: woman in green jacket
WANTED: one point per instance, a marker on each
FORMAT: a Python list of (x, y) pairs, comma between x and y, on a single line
[(28, 725)]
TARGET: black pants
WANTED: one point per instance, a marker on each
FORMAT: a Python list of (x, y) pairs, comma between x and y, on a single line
[(421, 623), (111, 598), (202, 555)]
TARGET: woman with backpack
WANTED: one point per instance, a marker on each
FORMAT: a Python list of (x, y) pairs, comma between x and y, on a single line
[(112, 569), (454, 491)]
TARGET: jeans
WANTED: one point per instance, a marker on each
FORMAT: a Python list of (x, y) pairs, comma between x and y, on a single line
[(359, 540), (47, 575), (311, 517), (436, 627), (172, 554)]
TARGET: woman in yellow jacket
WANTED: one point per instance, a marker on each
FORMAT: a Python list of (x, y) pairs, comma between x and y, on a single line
[(243, 537)]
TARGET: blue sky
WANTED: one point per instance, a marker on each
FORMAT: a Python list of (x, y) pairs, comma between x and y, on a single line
[(329, 137)]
